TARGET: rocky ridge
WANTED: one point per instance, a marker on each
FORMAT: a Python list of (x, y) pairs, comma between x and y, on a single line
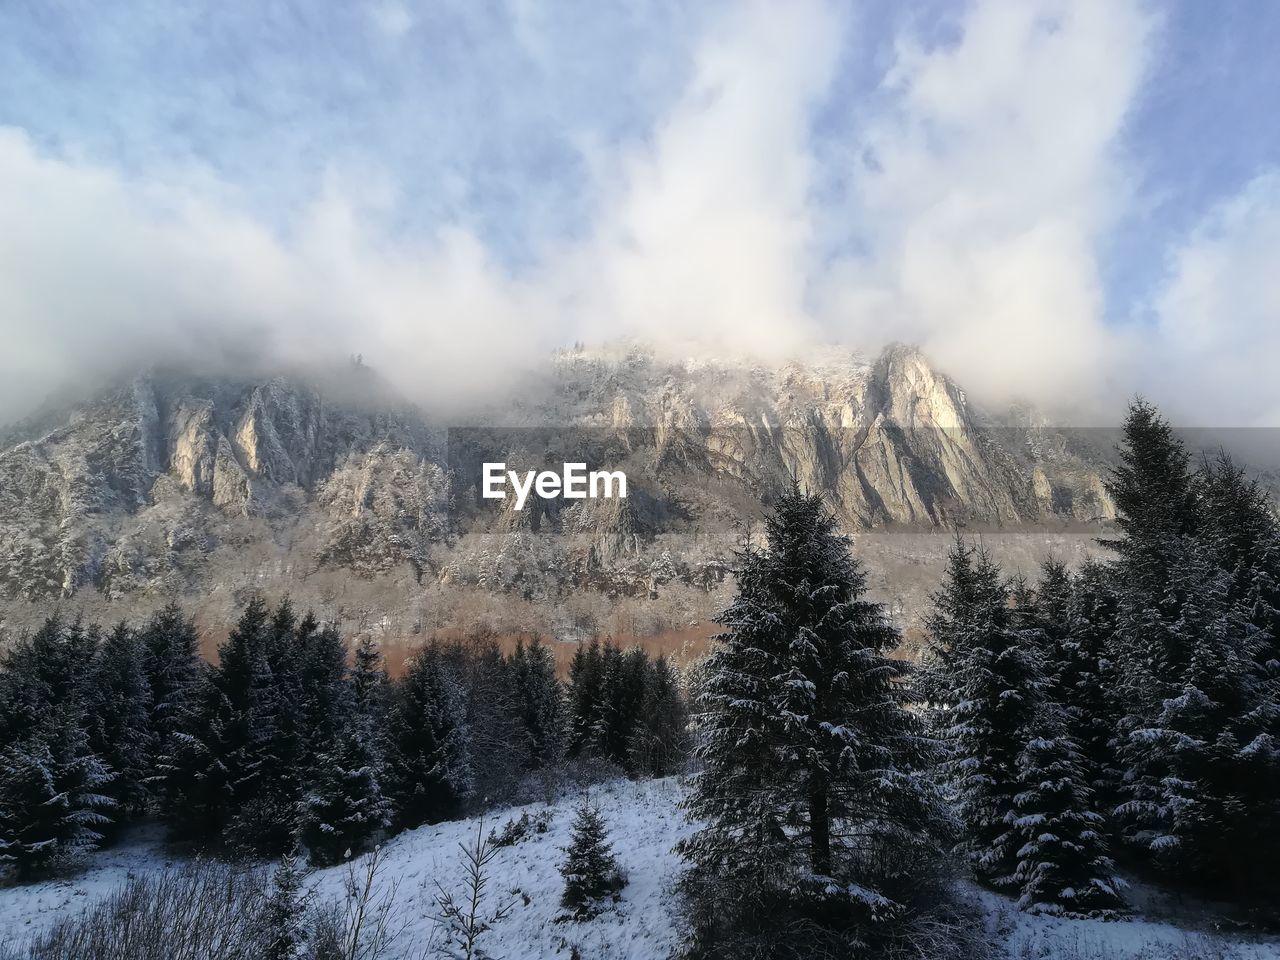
[(138, 491)]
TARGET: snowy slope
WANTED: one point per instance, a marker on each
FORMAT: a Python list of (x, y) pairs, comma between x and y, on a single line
[(644, 824)]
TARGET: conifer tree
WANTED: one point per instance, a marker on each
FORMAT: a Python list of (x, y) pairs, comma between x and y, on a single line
[(344, 809), (53, 804), (119, 717), (660, 745), (174, 669), (1196, 741), (430, 754), (626, 676), (539, 703), (217, 765), (1086, 681), (586, 686), (590, 870), (369, 682), (324, 703), (987, 684), (809, 799), (43, 671), (1063, 866), (286, 909)]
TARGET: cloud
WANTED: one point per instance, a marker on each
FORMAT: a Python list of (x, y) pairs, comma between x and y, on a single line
[(391, 18), (981, 187), (704, 176), (1217, 315)]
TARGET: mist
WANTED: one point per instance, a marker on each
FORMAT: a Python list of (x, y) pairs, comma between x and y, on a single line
[(767, 183)]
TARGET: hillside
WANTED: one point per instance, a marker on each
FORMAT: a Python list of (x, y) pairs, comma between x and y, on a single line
[(644, 823)]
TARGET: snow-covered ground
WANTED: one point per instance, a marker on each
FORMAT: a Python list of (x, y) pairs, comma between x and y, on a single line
[(644, 824)]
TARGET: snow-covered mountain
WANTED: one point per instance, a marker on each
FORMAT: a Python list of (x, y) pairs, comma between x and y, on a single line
[(182, 484)]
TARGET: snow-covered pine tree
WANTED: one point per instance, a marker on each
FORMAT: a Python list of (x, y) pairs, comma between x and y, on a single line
[(286, 909), (344, 809), (1242, 532), (1197, 739), (590, 870), (430, 757), (1063, 866), (174, 669), (810, 798), (660, 743), (43, 671), (324, 694), (986, 680), (586, 686), (1201, 770), (53, 803), (1086, 681), (118, 712), (626, 676), (369, 683), (539, 703), (215, 766)]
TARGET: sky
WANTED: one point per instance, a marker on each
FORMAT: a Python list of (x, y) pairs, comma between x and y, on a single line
[(1066, 201)]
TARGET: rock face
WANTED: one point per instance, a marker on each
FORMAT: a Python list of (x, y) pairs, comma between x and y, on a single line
[(134, 491)]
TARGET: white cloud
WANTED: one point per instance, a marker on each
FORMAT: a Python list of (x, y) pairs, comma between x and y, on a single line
[(979, 181), (391, 18), (1218, 314), (985, 178)]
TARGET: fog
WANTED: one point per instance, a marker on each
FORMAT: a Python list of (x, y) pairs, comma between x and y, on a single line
[(780, 192)]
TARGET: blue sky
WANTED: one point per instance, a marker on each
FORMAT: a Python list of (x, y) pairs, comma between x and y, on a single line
[(1065, 200)]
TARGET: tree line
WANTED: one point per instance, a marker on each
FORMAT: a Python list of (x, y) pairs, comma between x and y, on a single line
[(1124, 712), (293, 738)]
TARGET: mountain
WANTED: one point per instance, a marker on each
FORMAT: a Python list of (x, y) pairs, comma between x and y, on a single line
[(206, 487)]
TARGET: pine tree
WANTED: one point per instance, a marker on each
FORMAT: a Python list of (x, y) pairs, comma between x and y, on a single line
[(41, 672), (430, 755), (660, 743), (626, 676), (286, 910), (221, 768), (1085, 677), (539, 704), (369, 682), (1063, 866), (344, 810), (987, 684), (810, 795), (172, 646), (1197, 737), (52, 800), (590, 870), (586, 688), (323, 707), (119, 717)]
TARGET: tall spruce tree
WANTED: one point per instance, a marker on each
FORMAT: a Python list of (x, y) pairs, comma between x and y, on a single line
[(809, 802), (986, 683), (344, 808), (539, 704), (430, 754), (174, 673), (1197, 738), (1063, 866), (586, 697), (216, 765), (660, 743), (118, 714)]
